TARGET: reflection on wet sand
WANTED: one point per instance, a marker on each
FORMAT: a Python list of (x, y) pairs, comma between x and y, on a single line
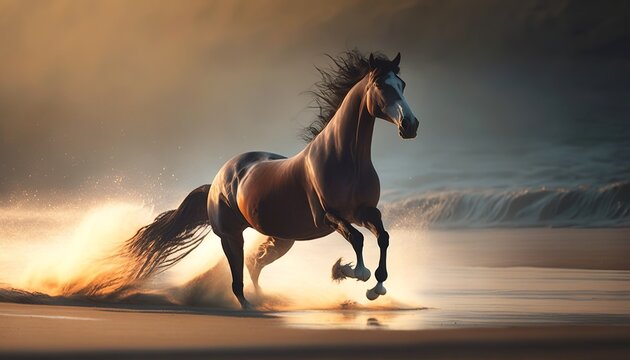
[(483, 297), (354, 319)]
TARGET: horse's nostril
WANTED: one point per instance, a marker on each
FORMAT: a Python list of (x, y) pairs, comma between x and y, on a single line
[(409, 124)]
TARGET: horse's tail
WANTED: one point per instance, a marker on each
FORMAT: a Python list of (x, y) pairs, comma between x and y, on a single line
[(171, 236)]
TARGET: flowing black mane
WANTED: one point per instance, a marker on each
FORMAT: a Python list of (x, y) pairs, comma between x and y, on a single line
[(347, 69)]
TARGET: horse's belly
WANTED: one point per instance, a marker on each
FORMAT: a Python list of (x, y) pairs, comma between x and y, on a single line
[(277, 206), (289, 219)]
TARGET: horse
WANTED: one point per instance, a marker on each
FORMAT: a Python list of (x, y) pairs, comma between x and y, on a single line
[(330, 186)]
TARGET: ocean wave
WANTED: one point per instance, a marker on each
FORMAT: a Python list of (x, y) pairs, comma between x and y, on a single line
[(581, 206)]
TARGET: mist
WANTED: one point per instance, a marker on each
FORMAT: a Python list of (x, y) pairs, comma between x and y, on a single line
[(111, 99)]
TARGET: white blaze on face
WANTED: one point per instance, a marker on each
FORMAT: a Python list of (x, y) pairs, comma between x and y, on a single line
[(397, 108)]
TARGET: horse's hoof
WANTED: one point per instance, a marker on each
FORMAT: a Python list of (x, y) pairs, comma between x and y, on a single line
[(371, 294), (245, 305), (362, 274), (374, 292), (380, 289)]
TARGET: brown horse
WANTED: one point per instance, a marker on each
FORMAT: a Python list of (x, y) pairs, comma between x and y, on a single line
[(330, 185)]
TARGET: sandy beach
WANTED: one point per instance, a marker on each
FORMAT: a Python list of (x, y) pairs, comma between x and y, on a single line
[(34, 331), (475, 294)]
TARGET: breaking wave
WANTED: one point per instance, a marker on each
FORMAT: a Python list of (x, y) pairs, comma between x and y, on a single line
[(581, 206)]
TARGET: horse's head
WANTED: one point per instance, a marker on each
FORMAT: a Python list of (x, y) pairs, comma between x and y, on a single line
[(385, 98)]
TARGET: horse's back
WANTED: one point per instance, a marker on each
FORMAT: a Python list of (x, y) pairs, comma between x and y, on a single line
[(268, 192), (222, 203)]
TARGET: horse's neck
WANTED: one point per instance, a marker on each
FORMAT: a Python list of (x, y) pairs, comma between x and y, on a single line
[(349, 133)]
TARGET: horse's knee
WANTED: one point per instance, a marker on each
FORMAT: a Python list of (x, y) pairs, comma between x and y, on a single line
[(383, 240), (356, 239)]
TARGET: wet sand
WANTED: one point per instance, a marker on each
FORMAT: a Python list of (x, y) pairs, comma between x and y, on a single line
[(568, 248), (37, 331), (482, 294)]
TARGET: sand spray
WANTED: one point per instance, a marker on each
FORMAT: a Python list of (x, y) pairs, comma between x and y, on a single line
[(72, 253)]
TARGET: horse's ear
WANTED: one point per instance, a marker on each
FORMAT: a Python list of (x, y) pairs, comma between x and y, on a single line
[(396, 60), (372, 62)]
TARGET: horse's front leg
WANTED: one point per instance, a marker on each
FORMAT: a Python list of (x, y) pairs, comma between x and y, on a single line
[(371, 219), (355, 238)]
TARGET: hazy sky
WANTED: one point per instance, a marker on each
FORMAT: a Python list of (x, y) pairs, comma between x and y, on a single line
[(102, 94)]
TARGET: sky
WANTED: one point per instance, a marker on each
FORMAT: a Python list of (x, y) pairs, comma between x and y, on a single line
[(152, 97)]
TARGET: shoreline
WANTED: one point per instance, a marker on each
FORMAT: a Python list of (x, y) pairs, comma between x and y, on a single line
[(561, 248)]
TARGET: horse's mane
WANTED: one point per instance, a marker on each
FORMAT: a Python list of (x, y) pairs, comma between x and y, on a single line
[(346, 70)]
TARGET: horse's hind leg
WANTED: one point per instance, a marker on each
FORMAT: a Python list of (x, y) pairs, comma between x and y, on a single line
[(229, 228), (269, 251), (233, 247)]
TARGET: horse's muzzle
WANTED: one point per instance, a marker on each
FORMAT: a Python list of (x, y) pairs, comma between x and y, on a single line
[(408, 128)]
